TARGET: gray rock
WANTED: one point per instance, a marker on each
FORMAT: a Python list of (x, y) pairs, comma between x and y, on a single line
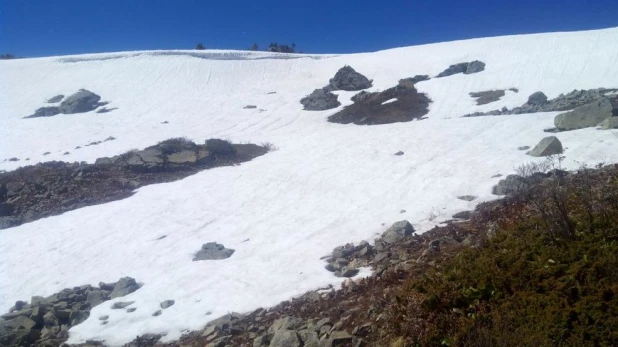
[(262, 340), (248, 107), (122, 304), (320, 100), (131, 309), (45, 112), (213, 251), (399, 153), (167, 303), (467, 197), (124, 286), (286, 338), (523, 148), (104, 317), (55, 99), (537, 98), (95, 297), (589, 115), (510, 185), (183, 157), (49, 319), (397, 232), (348, 79), (157, 313), (82, 101), (286, 323), (609, 123), (411, 81), (548, 146), (465, 68)]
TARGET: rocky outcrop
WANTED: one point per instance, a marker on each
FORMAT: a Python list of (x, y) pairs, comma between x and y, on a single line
[(80, 102), (51, 188), (372, 108), (537, 102), (465, 68), (320, 100), (546, 147), (585, 116), (213, 251), (510, 185), (46, 321), (348, 79), (411, 81)]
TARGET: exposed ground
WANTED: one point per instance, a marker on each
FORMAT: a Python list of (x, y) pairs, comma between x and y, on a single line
[(46, 189)]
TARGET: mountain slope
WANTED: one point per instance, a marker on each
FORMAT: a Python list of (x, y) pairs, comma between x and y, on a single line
[(327, 184)]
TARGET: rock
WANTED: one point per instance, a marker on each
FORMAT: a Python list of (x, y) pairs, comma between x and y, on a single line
[(347, 272), (548, 146), (106, 110), (465, 68), (399, 153), (167, 303), (55, 99), (107, 286), (286, 323), (103, 317), (157, 313), (411, 81), (467, 197), (6, 209), (320, 100), (249, 107), (121, 304), (213, 251), (45, 112), (49, 319), (537, 98), (82, 101), (588, 115), (286, 338), (463, 215), (397, 232), (262, 340), (309, 338), (486, 97), (124, 286), (183, 157), (510, 185), (95, 297), (348, 79), (340, 337), (131, 309), (609, 123), (523, 148)]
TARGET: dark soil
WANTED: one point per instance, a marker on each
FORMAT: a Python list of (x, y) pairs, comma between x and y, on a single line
[(46, 189), (488, 96), (369, 110)]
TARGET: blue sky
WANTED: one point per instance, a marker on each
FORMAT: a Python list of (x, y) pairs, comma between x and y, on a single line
[(55, 27)]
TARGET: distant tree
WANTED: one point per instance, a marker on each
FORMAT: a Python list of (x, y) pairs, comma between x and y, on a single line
[(200, 46), (7, 56), (254, 47)]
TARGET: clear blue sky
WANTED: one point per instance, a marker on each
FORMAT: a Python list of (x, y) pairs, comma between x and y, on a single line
[(55, 27)]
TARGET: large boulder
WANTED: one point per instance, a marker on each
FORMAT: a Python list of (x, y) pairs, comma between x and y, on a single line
[(82, 101), (213, 251), (124, 286), (348, 79), (286, 338), (537, 98), (397, 232), (320, 100), (548, 146), (510, 185), (589, 115)]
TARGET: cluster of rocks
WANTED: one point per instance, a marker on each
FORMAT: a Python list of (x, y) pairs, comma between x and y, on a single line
[(50, 188), (213, 251), (515, 183), (46, 321), (80, 102), (402, 103), (465, 68), (538, 102), (345, 79)]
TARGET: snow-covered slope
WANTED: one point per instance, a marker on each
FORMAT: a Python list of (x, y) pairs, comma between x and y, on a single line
[(326, 185)]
